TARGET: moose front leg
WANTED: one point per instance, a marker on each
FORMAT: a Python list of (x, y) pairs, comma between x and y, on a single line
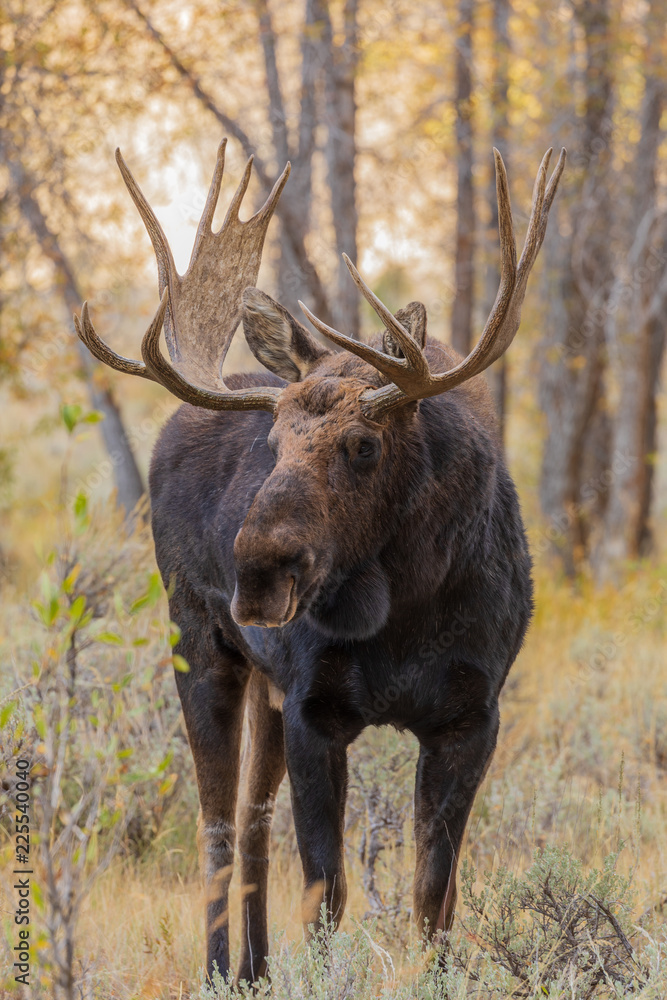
[(450, 768), (317, 768), (213, 697)]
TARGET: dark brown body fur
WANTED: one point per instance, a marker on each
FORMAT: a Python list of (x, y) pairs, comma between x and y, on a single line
[(401, 584)]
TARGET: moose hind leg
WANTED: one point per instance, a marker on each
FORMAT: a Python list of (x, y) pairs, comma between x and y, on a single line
[(450, 768), (263, 770)]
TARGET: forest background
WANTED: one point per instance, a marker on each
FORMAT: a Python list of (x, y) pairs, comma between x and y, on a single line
[(388, 113)]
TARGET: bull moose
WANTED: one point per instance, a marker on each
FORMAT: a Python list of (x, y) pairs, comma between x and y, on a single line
[(343, 547)]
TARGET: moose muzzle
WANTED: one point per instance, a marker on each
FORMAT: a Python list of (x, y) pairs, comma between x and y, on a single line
[(269, 606), (268, 590)]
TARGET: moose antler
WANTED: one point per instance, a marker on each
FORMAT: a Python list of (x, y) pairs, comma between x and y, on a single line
[(410, 376), (201, 309)]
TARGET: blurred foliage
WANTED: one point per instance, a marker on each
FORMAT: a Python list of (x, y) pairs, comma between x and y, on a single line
[(96, 713)]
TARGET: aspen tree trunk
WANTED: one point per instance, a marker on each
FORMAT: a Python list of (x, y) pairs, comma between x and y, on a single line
[(500, 40), (637, 331), (572, 370), (340, 114), (291, 279), (295, 273), (302, 270), (462, 307), (129, 485), (327, 94)]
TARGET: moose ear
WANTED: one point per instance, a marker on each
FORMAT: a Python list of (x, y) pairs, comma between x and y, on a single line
[(278, 340), (413, 318)]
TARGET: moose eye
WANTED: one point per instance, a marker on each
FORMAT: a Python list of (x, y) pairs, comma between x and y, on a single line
[(364, 453)]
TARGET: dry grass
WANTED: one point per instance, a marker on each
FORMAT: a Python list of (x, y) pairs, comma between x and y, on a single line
[(581, 762)]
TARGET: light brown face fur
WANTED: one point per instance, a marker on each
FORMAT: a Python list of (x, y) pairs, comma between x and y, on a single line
[(323, 510), (315, 511)]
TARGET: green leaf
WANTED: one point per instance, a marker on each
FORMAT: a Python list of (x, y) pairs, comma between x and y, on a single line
[(70, 579), (174, 634), (154, 589), (152, 595), (93, 417), (165, 762), (37, 895), (77, 609), (181, 664), (167, 784), (7, 712), (40, 721), (71, 413), (80, 505), (49, 611), (111, 638)]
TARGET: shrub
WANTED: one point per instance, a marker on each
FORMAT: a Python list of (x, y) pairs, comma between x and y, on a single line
[(552, 926)]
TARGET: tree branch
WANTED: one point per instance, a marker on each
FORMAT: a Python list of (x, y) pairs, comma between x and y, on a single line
[(288, 209), (276, 104), (128, 480), (203, 96)]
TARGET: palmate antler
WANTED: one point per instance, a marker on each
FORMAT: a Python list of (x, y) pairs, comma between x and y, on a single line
[(411, 376), (201, 309)]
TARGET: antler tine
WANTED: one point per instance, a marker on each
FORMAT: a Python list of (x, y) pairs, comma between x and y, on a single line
[(166, 269), (165, 260), (239, 194), (504, 319), (530, 244), (552, 187), (206, 222), (272, 200), (411, 350), (395, 369), (269, 205), (508, 265), (505, 227), (86, 333)]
